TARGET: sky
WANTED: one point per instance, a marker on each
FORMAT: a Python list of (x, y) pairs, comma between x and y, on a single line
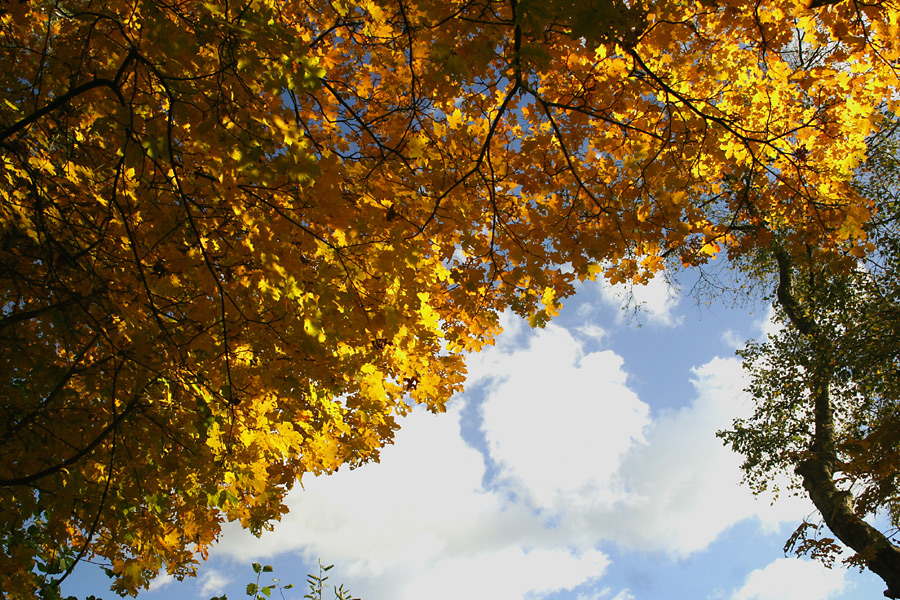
[(581, 463)]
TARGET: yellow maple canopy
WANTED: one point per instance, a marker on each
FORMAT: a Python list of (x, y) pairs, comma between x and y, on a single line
[(237, 237)]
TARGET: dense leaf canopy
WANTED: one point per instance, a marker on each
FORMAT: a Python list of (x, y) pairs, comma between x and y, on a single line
[(237, 237)]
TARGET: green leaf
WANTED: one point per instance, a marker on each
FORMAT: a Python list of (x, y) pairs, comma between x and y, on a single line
[(257, 568), (267, 569), (252, 588)]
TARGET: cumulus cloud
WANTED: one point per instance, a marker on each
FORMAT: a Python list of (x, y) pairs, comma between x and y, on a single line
[(421, 521), (684, 484), (570, 437), (161, 582), (558, 421), (566, 458), (407, 506), (512, 573), (213, 582), (657, 300), (793, 579), (606, 594)]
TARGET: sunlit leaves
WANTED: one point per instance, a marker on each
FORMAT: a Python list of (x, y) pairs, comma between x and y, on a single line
[(238, 239)]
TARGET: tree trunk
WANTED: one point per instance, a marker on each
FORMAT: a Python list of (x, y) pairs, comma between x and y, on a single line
[(818, 469), (836, 506)]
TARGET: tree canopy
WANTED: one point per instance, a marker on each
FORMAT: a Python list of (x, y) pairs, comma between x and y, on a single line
[(238, 237)]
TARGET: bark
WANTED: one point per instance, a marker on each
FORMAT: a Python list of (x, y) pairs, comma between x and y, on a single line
[(836, 506), (818, 469)]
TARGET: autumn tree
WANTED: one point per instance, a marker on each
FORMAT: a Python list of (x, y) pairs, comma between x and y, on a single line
[(238, 237)]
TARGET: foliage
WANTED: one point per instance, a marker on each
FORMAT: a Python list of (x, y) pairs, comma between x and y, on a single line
[(257, 592), (316, 585), (858, 335), (238, 237), (858, 323), (826, 386), (830, 397)]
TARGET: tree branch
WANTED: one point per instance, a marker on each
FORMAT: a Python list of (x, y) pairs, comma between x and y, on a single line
[(28, 479), (61, 101), (818, 468)]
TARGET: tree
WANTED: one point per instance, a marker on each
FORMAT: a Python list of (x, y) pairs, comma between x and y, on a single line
[(237, 238), (827, 389)]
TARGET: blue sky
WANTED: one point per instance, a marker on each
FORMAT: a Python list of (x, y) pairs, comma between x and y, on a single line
[(580, 464)]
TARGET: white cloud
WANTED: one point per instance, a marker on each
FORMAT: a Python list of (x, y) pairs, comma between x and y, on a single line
[(212, 582), (657, 299), (569, 436), (161, 582), (684, 484), (572, 460), (511, 573), (592, 332), (559, 421), (733, 340), (767, 325), (792, 579), (406, 507), (421, 521), (604, 594)]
